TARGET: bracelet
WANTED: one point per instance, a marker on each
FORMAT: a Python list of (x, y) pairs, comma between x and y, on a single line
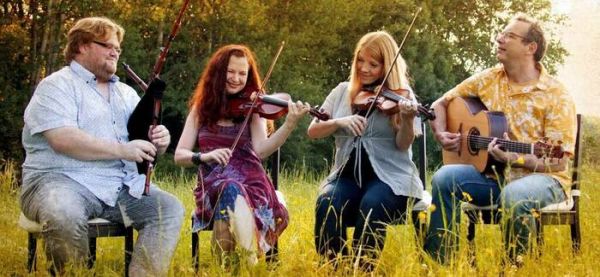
[(520, 160), (196, 158)]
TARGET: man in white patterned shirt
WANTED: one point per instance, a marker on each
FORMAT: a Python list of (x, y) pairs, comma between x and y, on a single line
[(80, 163)]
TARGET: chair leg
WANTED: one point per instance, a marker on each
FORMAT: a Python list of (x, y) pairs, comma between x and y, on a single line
[(92, 257), (195, 258), (539, 233), (31, 252), (539, 230), (576, 236), (420, 225), (471, 242), (128, 249), (273, 254)]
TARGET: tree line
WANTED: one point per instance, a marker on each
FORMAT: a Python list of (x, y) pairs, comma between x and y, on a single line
[(450, 40)]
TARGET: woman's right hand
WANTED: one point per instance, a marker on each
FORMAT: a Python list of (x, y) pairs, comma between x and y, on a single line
[(220, 156), (356, 124)]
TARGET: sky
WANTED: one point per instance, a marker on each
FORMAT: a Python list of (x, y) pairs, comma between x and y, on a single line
[(581, 37)]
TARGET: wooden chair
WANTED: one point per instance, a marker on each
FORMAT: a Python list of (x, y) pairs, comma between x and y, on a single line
[(564, 213), (567, 212), (271, 254), (97, 227)]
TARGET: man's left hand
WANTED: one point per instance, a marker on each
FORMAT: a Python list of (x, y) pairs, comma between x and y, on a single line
[(160, 137), (494, 148)]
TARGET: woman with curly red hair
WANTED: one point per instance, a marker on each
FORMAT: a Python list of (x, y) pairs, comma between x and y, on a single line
[(233, 193)]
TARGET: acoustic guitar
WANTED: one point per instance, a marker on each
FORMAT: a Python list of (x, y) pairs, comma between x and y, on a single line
[(478, 127)]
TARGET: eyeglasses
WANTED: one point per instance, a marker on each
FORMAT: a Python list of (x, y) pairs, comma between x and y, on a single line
[(108, 46), (510, 35)]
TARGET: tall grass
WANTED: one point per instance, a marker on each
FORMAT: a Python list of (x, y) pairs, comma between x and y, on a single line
[(297, 255)]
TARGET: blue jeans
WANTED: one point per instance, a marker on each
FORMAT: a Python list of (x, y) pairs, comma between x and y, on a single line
[(370, 208), (63, 207), (452, 184)]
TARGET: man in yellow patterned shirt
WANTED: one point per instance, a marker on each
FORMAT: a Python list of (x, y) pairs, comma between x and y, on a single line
[(536, 106)]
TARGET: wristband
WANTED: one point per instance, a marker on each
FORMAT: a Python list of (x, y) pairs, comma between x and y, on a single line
[(520, 160), (196, 158)]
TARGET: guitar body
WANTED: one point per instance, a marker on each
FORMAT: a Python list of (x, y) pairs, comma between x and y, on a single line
[(468, 116)]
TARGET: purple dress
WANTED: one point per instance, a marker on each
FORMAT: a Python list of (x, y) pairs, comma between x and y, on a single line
[(219, 186)]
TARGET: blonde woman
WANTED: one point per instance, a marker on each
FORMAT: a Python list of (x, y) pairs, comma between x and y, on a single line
[(373, 178)]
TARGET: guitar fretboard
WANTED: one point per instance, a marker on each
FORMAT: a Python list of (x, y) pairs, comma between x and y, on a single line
[(479, 142)]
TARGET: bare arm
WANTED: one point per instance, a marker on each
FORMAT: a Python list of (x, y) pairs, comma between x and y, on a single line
[(187, 141), (320, 129), (528, 161), (406, 133), (264, 146), (449, 141), (80, 145)]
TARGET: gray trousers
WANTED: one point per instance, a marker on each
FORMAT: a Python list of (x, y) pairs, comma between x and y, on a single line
[(63, 207)]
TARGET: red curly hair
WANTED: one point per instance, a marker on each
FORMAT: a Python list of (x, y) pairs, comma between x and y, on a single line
[(209, 98)]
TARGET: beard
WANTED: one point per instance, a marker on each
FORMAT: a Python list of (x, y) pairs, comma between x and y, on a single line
[(105, 70)]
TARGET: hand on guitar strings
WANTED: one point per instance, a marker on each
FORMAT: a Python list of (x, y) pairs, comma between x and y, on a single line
[(449, 141), (495, 149)]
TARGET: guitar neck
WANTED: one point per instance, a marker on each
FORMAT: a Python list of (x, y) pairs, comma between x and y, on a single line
[(479, 142)]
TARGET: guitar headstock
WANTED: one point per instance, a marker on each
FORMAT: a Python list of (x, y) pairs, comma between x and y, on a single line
[(548, 149)]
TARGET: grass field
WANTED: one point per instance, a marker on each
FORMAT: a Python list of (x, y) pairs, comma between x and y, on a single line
[(297, 254)]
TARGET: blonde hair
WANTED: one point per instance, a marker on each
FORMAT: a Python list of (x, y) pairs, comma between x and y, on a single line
[(382, 47), (89, 29)]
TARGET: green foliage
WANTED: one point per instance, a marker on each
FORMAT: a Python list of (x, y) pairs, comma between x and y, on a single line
[(449, 41), (590, 142)]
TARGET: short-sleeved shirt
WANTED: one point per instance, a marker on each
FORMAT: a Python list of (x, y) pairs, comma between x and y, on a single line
[(543, 109), (69, 98), (391, 165)]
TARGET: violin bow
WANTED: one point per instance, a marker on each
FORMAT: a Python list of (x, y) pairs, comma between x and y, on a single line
[(389, 71), (261, 90), (155, 73)]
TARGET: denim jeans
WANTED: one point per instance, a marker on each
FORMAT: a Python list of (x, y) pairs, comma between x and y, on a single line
[(63, 208), (370, 208), (452, 184)]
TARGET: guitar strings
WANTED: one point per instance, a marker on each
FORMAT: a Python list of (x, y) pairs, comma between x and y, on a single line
[(513, 146)]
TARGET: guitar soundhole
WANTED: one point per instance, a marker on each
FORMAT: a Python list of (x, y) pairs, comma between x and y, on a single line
[(472, 141)]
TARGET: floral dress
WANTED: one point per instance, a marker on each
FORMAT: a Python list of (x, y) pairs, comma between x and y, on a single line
[(218, 186)]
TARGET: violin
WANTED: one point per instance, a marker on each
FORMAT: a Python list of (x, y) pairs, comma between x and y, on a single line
[(387, 103), (271, 107)]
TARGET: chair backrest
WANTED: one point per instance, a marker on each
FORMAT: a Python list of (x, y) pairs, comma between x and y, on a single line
[(577, 157), (275, 157), (422, 159)]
